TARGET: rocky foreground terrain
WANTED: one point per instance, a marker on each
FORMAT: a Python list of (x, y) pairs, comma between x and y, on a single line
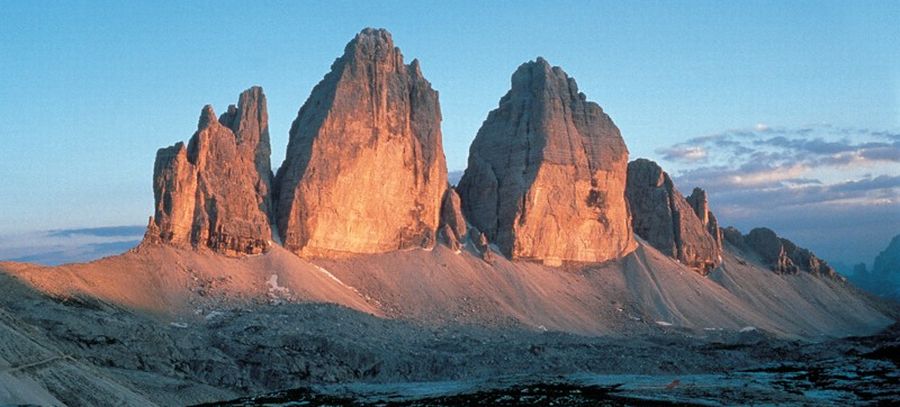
[(356, 274), (851, 371), (208, 328)]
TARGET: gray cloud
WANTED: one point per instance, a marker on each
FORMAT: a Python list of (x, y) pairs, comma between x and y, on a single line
[(835, 189), (881, 182), (688, 154), (812, 145)]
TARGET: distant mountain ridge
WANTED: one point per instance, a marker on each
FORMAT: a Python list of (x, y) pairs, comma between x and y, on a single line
[(884, 277)]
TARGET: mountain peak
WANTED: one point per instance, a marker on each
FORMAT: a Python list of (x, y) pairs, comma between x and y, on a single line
[(365, 169), (207, 117), (374, 35), (546, 174), (372, 44)]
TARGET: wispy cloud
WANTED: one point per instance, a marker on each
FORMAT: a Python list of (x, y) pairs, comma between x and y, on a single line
[(684, 153), (821, 172), (813, 146)]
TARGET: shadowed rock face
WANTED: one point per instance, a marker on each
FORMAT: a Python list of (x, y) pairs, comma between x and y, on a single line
[(546, 173), (888, 260), (732, 235), (771, 250), (365, 170), (215, 192), (700, 203), (669, 222), (779, 254)]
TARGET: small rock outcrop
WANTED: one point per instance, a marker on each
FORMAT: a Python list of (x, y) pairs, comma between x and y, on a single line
[(484, 247), (448, 236), (365, 169), (733, 236), (665, 219), (546, 174), (215, 192), (700, 203), (453, 223), (771, 250), (779, 254)]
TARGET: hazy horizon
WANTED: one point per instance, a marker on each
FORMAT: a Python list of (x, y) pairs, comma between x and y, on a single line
[(787, 114)]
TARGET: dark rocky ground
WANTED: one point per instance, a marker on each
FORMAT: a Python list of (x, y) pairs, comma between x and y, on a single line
[(267, 352), (752, 370)]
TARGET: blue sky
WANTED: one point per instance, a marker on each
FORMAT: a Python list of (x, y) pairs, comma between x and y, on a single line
[(90, 90)]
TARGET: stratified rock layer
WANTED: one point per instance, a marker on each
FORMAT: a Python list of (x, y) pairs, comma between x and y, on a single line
[(666, 220), (365, 170), (779, 254), (214, 192), (546, 173)]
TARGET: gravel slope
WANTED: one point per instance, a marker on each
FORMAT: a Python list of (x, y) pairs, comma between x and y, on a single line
[(172, 327)]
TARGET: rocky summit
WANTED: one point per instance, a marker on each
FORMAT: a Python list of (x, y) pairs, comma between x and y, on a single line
[(779, 254), (677, 227), (546, 173), (215, 191), (365, 169), (700, 203)]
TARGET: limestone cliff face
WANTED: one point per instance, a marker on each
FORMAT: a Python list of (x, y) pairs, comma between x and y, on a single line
[(668, 221), (365, 169), (215, 192), (546, 173)]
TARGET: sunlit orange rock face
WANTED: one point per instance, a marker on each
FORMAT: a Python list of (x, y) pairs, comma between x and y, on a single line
[(365, 170), (215, 192), (546, 173)]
